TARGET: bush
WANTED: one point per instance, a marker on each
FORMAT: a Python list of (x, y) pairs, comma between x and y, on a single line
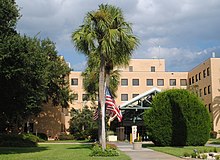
[(111, 146), (42, 136), (186, 154), (23, 140), (97, 151), (65, 136), (177, 118)]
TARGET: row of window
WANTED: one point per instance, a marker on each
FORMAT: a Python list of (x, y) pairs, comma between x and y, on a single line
[(124, 97), (135, 82), (150, 82), (152, 69), (206, 90), (197, 77)]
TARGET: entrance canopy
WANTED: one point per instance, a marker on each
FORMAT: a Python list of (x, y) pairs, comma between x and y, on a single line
[(142, 101)]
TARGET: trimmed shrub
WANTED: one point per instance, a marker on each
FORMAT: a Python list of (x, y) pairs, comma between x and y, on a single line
[(23, 140), (108, 152), (177, 118)]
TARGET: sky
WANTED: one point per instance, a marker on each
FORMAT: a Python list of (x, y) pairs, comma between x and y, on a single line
[(183, 32)]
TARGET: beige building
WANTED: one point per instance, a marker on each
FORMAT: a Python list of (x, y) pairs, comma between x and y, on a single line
[(144, 74), (204, 80)]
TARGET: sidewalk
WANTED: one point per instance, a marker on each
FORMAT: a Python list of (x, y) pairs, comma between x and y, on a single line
[(144, 154)]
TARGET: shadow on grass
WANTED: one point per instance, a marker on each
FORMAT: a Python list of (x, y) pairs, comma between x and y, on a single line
[(81, 146), (17, 150)]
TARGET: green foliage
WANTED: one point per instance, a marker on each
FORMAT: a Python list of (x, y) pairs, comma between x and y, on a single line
[(177, 118), (109, 151), (31, 72), (203, 156), (186, 154), (9, 14), (23, 140), (42, 136), (82, 125), (65, 136)]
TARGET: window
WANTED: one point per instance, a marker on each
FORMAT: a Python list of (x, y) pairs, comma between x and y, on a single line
[(152, 69), (190, 81), (204, 90), (208, 71), (124, 97), (134, 95), (130, 68), (199, 75), (85, 97), (196, 78), (75, 96), (172, 82), (210, 110), (183, 82), (160, 82), (209, 89), (204, 74), (74, 81), (150, 82), (124, 82), (135, 82)]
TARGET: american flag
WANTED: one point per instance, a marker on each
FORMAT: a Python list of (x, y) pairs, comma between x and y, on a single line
[(96, 114), (111, 105)]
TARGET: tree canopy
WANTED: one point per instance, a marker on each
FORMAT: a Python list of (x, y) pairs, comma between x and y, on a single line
[(31, 73), (106, 35), (177, 118)]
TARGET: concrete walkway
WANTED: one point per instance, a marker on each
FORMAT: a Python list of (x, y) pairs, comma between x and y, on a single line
[(144, 153)]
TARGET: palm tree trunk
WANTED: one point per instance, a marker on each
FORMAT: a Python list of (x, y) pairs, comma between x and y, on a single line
[(102, 100)]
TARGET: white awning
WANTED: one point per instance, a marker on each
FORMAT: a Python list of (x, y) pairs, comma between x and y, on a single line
[(140, 96)]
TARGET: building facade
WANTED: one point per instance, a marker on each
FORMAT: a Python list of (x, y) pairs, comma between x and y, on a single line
[(143, 74)]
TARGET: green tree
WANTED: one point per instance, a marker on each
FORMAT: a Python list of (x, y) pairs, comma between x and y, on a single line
[(177, 118), (31, 73), (82, 124), (107, 35), (91, 82), (9, 14)]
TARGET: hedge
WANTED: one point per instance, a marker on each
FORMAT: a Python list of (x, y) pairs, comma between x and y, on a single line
[(177, 118)]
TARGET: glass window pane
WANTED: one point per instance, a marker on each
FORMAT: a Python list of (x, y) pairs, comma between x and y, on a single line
[(152, 69), (124, 97), (135, 82), (183, 82), (74, 81), (124, 82), (172, 82), (160, 82)]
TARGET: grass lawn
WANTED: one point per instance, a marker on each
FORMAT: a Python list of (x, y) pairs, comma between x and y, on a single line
[(179, 151), (53, 152)]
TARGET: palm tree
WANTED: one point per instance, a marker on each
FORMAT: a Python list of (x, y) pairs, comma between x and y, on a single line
[(106, 35)]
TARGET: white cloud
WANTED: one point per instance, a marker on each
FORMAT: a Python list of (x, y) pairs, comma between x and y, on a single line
[(181, 28)]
